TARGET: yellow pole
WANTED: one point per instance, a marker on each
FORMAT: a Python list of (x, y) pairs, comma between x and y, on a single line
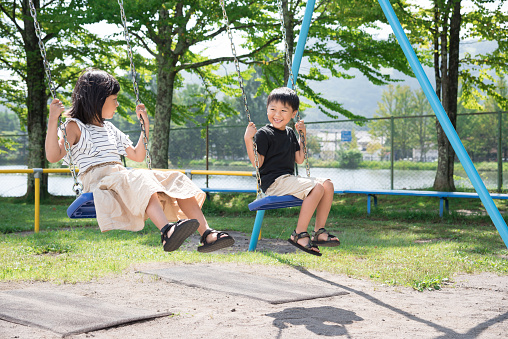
[(37, 183)]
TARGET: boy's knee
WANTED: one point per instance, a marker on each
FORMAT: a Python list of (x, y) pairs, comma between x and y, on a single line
[(328, 185)]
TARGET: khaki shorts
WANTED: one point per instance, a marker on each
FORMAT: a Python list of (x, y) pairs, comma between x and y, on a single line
[(297, 186)]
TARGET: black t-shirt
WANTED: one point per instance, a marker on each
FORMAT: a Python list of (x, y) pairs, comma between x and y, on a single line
[(279, 148)]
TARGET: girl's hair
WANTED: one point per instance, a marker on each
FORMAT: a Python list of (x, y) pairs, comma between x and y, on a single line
[(92, 89), (285, 95)]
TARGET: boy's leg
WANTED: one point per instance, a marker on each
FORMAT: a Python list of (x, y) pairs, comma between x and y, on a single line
[(322, 211), (307, 210), (324, 205)]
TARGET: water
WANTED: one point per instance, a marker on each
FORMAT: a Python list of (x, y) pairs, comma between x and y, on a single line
[(12, 185)]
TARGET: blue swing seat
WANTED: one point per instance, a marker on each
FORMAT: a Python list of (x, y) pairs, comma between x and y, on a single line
[(82, 207), (273, 202)]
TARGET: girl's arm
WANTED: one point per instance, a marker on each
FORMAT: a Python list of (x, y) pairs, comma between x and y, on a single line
[(55, 149), (138, 153), (300, 155), (248, 137)]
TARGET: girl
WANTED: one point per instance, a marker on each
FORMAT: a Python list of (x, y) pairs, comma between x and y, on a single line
[(123, 198)]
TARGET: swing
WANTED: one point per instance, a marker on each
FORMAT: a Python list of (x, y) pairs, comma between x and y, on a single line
[(264, 202), (83, 206)]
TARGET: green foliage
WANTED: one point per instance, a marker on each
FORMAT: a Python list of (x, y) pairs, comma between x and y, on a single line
[(350, 158)]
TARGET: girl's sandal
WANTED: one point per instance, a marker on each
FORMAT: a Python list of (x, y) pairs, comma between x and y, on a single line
[(223, 240), (329, 242), (183, 229), (306, 248)]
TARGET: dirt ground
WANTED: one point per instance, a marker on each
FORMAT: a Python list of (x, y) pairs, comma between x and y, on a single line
[(472, 306)]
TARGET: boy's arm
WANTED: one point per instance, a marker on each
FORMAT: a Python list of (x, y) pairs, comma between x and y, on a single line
[(248, 138), (138, 153), (300, 155), (55, 149)]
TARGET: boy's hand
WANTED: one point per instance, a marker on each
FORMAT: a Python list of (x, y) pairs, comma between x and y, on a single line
[(55, 109), (300, 127), (250, 132)]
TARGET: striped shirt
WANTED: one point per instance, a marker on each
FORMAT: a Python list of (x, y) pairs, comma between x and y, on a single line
[(97, 144)]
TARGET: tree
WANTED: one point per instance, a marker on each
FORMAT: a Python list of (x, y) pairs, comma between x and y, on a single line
[(171, 32), (26, 92), (423, 130), (438, 30), (338, 41)]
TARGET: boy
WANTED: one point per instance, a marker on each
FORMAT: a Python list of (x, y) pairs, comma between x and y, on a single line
[(278, 149)]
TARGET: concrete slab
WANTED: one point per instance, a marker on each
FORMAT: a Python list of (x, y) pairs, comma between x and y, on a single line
[(229, 281), (66, 313)]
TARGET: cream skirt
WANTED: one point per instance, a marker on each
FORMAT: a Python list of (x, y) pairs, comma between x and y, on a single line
[(121, 196), (297, 186)]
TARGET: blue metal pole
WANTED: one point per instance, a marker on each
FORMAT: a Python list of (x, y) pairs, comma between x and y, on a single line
[(445, 121), (302, 39)]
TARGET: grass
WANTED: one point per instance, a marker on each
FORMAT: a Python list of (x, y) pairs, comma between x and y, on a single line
[(403, 242)]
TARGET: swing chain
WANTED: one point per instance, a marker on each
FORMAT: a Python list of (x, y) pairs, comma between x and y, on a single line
[(42, 48), (148, 159), (260, 193), (77, 187), (292, 79)]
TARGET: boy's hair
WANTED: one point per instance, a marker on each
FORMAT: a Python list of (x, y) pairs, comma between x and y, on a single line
[(90, 93), (285, 95)]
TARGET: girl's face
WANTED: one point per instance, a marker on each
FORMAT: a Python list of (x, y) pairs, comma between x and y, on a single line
[(279, 114), (110, 105)]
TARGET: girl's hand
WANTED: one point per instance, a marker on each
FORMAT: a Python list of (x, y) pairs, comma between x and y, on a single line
[(300, 127), (250, 131), (141, 113), (56, 108)]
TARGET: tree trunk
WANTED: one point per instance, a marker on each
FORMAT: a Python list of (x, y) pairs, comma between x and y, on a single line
[(36, 103), (449, 82), (165, 85)]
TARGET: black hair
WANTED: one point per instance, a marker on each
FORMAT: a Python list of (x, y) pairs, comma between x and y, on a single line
[(286, 96), (90, 93)]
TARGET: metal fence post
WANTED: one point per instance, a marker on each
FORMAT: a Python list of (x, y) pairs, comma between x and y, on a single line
[(392, 155), (499, 152), (37, 184)]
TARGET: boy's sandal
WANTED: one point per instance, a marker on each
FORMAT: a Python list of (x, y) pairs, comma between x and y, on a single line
[(329, 242), (306, 248), (223, 240), (183, 229)]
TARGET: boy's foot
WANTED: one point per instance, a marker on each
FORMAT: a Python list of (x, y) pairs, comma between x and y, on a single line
[(299, 240), (323, 238), (174, 234), (222, 240)]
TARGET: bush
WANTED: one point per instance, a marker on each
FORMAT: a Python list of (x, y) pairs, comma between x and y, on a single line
[(350, 158)]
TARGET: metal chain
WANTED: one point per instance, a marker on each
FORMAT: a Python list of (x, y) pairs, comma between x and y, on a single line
[(260, 193), (148, 159), (77, 187), (291, 77)]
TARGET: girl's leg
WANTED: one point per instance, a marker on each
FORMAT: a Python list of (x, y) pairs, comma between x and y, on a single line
[(155, 212), (192, 210)]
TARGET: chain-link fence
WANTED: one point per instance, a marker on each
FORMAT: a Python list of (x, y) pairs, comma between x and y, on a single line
[(383, 153)]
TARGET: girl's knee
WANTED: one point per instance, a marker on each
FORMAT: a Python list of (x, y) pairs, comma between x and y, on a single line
[(328, 186)]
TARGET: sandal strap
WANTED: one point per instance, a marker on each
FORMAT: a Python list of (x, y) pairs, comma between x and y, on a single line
[(298, 236), (164, 231), (321, 231), (205, 234)]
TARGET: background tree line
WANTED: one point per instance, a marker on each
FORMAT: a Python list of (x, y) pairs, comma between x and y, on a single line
[(169, 37)]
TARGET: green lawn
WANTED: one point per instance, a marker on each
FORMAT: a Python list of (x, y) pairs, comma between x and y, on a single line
[(404, 242)]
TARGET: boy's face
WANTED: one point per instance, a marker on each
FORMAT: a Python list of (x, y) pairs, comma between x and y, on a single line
[(280, 114), (109, 107)]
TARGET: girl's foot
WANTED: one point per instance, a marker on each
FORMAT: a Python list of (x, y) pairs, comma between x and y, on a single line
[(174, 234), (213, 240)]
